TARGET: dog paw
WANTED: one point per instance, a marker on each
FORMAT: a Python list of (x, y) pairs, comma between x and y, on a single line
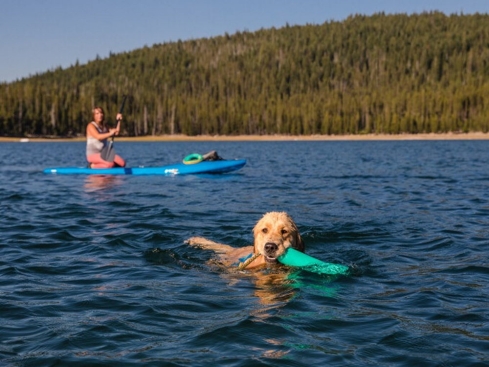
[(196, 241)]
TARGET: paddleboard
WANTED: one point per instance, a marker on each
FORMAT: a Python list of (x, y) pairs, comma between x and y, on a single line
[(221, 166)]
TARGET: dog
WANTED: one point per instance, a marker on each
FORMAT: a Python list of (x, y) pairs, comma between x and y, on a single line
[(273, 234)]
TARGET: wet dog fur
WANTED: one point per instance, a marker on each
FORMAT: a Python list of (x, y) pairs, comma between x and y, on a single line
[(272, 235)]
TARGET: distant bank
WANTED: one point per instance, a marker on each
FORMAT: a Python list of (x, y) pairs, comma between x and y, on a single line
[(448, 136)]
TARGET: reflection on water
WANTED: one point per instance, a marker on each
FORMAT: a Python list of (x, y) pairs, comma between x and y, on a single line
[(100, 182), (271, 286), (275, 286)]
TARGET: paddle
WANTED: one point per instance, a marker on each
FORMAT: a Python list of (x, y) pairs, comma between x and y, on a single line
[(108, 153)]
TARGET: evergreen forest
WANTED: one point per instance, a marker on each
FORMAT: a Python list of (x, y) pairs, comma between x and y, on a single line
[(380, 74)]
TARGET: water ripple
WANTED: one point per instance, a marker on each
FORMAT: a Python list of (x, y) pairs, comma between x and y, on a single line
[(95, 271)]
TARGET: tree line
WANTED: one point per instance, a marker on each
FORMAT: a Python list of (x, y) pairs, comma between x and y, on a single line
[(391, 74)]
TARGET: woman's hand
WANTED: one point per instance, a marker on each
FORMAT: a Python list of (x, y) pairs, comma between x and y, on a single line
[(118, 117), (114, 132)]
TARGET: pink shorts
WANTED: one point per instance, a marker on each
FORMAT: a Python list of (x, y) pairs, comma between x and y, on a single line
[(97, 162)]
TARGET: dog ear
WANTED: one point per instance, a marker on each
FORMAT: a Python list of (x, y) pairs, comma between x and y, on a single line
[(299, 243), (300, 246), (255, 232)]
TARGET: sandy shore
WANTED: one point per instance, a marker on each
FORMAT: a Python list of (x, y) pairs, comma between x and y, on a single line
[(448, 136)]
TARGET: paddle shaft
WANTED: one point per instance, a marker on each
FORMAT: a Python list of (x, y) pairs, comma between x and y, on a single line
[(108, 153), (120, 111)]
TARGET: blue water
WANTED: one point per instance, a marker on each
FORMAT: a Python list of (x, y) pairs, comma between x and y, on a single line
[(94, 271)]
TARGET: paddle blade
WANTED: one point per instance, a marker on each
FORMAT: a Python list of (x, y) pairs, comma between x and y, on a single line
[(108, 152)]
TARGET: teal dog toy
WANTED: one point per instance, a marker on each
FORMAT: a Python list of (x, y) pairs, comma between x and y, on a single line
[(299, 259)]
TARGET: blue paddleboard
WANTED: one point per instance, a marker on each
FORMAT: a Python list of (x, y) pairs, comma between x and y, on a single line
[(172, 169)]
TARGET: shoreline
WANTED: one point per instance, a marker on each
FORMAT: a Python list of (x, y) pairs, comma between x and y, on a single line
[(362, 137)]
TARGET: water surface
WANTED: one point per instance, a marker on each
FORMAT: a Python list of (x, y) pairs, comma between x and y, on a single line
[(95, 271)]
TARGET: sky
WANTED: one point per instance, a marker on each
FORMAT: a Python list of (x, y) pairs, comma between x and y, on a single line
[(41, 35)]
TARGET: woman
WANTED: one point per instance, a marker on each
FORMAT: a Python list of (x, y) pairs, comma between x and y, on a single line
[(97, 135)]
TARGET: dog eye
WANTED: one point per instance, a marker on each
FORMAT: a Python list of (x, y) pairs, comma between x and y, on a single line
[(284, 231), (265, 230)]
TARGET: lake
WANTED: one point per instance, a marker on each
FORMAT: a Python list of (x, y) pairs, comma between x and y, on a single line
[(94, 270)]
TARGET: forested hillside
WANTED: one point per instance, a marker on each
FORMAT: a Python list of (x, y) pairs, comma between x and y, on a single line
[(389, 74)]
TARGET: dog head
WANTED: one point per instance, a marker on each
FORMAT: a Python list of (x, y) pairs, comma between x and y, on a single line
[(274, 233)]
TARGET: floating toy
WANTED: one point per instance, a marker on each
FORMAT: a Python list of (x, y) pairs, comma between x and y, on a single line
[(193, 158), (299, 259)]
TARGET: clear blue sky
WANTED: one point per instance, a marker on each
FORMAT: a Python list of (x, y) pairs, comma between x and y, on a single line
[(39, 35)]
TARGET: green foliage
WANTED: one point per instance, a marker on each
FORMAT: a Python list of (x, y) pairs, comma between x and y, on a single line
[(379, 74)]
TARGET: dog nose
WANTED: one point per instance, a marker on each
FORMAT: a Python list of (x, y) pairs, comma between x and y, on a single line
[(270, 247)]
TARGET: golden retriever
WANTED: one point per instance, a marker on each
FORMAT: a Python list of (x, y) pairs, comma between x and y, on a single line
[(273, 234)]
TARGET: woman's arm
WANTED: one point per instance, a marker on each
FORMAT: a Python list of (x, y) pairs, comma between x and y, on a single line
[(119, 119), (93, 132)]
